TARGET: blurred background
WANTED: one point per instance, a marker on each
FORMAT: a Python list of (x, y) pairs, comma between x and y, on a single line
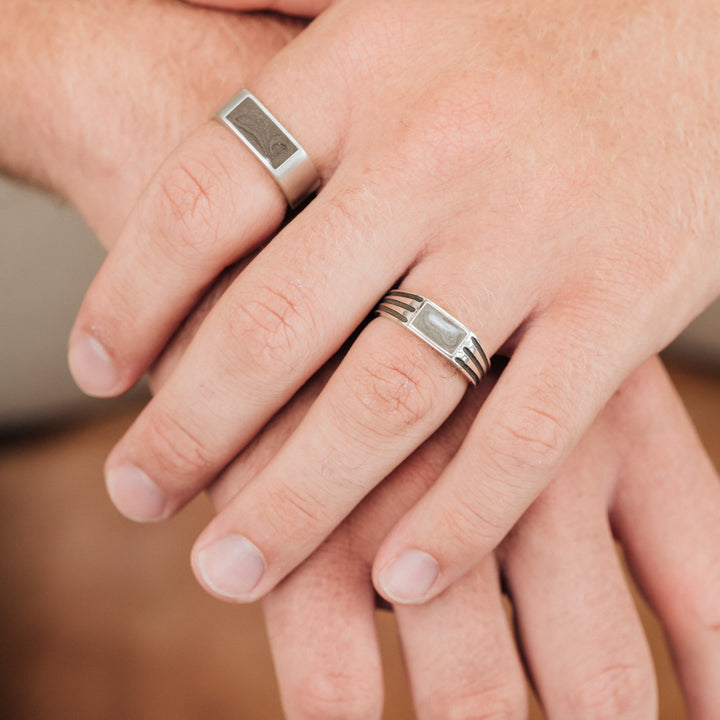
[(102, 618)]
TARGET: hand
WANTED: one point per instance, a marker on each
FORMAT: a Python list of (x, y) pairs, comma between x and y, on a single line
[(639, 474), (132, 42), (318, 624), (510, 169), (577, 627)]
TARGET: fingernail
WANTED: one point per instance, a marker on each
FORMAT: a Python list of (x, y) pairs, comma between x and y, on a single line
[(91, 366), (232, 566), (410, 577), (135, 495)]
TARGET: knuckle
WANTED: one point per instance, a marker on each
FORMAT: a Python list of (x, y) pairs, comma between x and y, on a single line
[(190, 202), (531, 437), (477, 706), (468, 519), (292, 510), (331, 694), (617, 691), (175, 448), (269, 329), (391, 391), (357, 210)]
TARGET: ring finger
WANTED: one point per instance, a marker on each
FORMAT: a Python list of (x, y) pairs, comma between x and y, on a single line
[(210, 203)]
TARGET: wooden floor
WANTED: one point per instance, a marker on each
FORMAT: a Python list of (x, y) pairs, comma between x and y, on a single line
[(101, 619)]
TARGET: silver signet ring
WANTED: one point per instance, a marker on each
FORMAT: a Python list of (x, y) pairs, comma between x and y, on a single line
[(438, 329), (273, 145)]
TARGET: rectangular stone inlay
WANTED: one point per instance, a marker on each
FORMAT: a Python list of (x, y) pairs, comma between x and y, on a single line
[(439, 327), (262, 133)]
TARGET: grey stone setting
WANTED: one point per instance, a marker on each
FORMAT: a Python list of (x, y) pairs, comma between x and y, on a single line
[(440, 328), (262, 133), (437, 328), (273, 145)]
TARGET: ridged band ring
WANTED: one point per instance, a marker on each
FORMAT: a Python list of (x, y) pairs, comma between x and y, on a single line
[(438, 329), (273, 145)]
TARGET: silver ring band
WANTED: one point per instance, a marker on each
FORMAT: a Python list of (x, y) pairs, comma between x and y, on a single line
[(438, 329), (273, 145)]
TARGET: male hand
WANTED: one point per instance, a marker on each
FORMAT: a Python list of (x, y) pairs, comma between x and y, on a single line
[(321, 618), (639, 476), (548, 173)]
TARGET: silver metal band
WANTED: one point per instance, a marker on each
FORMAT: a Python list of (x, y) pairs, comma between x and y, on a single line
[(438, 329), (273, 145)]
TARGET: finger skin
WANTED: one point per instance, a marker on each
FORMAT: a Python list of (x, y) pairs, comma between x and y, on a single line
[(460, 652), (517, 444), (325, 468), (315, 477), (321, 626), (581, 636), (666, 514), (253, 460), (262, 341)]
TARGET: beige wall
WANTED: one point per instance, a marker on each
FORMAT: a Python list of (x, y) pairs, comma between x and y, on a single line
[(48, 258)]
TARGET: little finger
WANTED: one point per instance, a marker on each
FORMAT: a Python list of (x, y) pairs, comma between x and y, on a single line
[(581, 636), (666, 513)]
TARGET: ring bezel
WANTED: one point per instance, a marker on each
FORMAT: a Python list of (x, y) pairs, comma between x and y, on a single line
[(272, 144), (437, 328)]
